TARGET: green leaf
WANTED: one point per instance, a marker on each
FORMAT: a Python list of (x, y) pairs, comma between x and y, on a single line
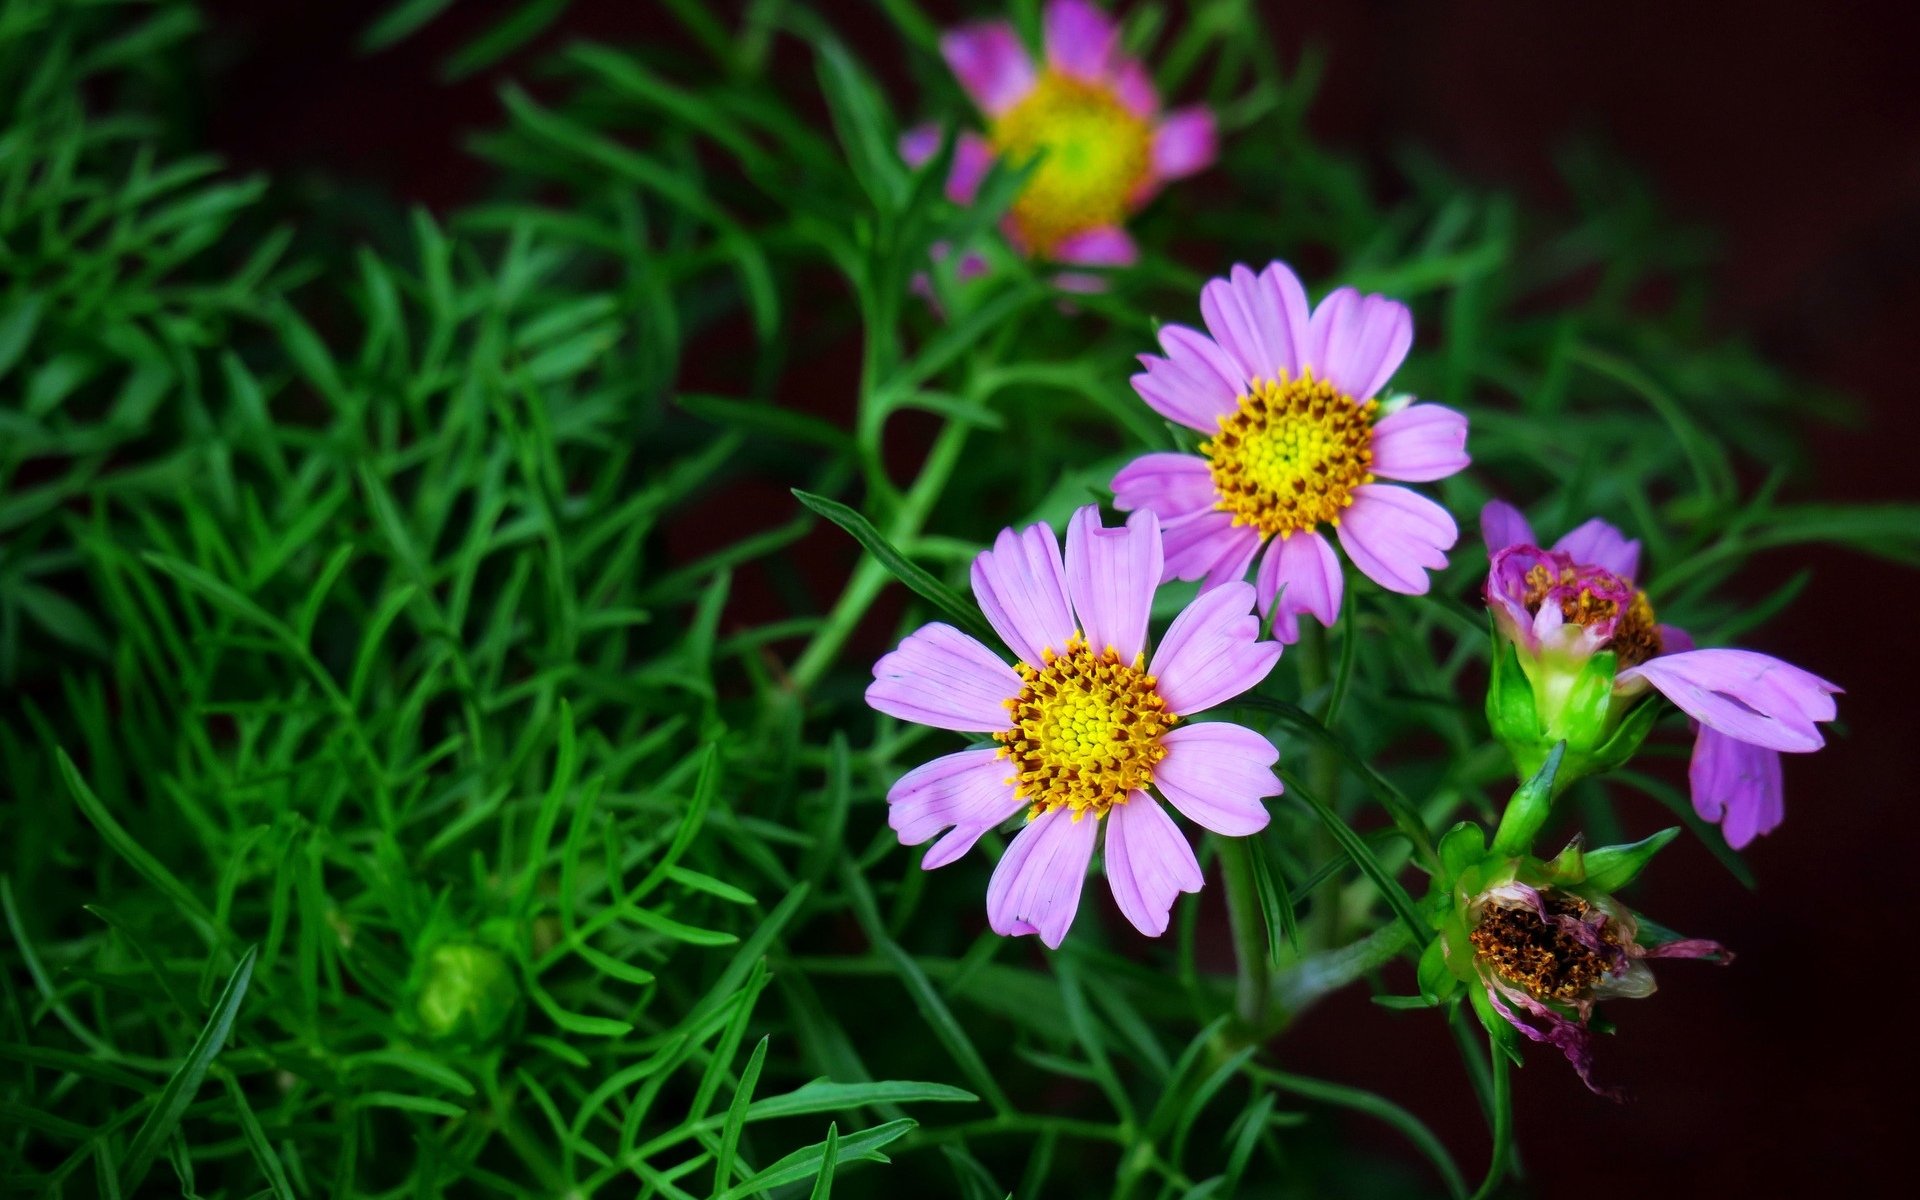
[(805, 1164), (965, 616), (825, 1096), (172, 1102), (1363, 857)]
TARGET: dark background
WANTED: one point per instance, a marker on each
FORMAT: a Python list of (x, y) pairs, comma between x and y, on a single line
[(1793, 131)]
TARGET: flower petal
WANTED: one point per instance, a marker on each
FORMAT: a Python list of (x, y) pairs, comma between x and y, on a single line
[(967, 793), (1022, 588), (1209, 547), (1111, 577), (1751, 697), (1261, 321), (1358, 341), (1420, 443), (1080, 39), (1396, 536), (1107, 246), (1212, 651), (1172, 485), (1186, 141), (1503, 525), (990, 63), (1196, 384), (1303, 574), (918, 144), (1149, 862), (1736, 785), (1216, 774), (1599, 544), (941, 677), (1036, 886), (1133, 87), (972, 159)]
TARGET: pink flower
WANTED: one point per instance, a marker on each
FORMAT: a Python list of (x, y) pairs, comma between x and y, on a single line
[(1093, 115), (1296, 442), (1086, 724), (1562, 606)]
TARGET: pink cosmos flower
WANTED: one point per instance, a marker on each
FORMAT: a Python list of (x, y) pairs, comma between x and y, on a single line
[(1094, 114), (1563, 605), (1086, 724), (1296, 441)]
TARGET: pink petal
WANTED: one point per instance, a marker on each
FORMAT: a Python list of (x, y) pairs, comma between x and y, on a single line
[(1737, 785), (1185, 142), (1172, 485), (1111, 577), (1036, 886), (1675, 640), (1359, 341), (1216, 774), (1022, 588), (1196, 384), (968, 793), (1149, 862), (990, 63), (943, 678), (918, 144), (1303, 574), (1135, 90), (1420, 443), (972, 159), (1751, 697), (1503, 525), (1080, 39), (1209, 547), (1601, 545), (1396, 536), (1107, 246), (1261, 321), (1212, 651)]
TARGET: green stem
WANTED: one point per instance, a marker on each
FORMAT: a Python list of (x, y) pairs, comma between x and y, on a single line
[(869, 577), (1329, 971), (1255, 984), (1322, 774), (1502, 1124)]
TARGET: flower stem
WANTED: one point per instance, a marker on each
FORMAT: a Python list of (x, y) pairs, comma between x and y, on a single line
[(869, 577), (1323, 774), (1255, 984)]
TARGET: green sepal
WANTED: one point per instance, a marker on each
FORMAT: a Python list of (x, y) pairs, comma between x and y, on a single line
[(1511, 712), (1570, 865), (1460, 847), (1499, 1031), (1528, 809), (1437, 982), (1624, 742), (1611, 868)]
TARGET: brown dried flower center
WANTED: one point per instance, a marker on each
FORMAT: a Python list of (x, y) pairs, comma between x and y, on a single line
[(1541, 955)]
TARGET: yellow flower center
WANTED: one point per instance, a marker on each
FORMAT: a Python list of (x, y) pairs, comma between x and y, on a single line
[(1086, 731), (1096, 154), (1289, 458)]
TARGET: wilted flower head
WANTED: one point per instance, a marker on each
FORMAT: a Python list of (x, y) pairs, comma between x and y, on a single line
[(1296, 442), (1538, 944), (1588, 648), (1092, 115), (1085, 724)]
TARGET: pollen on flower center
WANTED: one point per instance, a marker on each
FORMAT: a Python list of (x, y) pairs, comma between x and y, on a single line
[(1096, 154), (1086, 731), (1589, 597), (1289, 458), (1562, 956)]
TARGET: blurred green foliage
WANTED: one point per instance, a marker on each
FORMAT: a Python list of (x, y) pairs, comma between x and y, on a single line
[(407, 793)]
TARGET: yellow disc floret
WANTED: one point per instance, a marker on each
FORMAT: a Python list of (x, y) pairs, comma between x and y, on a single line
[(1287, 460), (1096, 153), (1086, 731)]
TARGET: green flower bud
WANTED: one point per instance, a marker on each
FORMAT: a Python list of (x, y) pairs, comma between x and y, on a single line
[(464, 991)]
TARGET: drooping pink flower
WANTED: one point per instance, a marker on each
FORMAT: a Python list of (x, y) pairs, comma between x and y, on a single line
[(1297, 441), (1562, 605), (1090, 111), (1086, 723)]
